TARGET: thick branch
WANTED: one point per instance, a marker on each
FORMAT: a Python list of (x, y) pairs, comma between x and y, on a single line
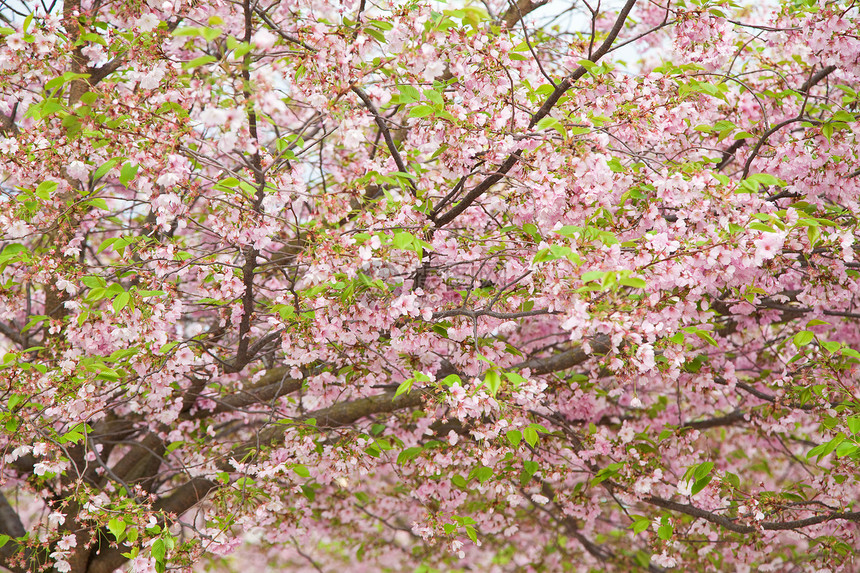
[(12, 334), (11, 525), (565, 360), (519, 10), (717, 422), (816, 77), (274, 384), (731, 525)]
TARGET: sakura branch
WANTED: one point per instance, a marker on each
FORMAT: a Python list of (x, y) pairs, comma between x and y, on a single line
[(278, 276)]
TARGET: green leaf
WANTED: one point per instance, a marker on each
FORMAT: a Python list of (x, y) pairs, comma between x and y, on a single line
[(158, 550), (117, 527), (106, 243), (210, 34), (827, 448), (531, 436), (120, 302), (703, 470), (706, 336), (803, 338), (420, 111), (98, 203), (104, 168), (409, 454), (127, 173), (551, 122), (409, 94), (201, 61), (640, 525), (14, 400), (493, 381), (404, 241), (434, 97), (846, 449), (514, 437), (593, 276), (45, 188), (530, 468), (633, 282), (481, 473), (187, 31), (301, 471), (700, 484), (756, 226), (148, 293), (733, 479), (76, 434), (665, 531), (764, 179), (606, 473), (405, 387)]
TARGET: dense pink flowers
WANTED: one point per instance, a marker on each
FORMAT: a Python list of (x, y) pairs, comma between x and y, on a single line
[(403, 286)]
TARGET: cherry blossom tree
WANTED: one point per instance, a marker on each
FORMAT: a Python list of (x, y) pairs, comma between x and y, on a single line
[(410, 286)]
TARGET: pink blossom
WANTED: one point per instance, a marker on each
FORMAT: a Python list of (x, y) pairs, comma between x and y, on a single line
[(768, 246)]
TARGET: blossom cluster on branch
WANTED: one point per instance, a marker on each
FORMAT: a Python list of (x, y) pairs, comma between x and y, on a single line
[(414, 286)]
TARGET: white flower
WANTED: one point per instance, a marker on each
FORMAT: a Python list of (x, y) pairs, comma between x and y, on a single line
[(16, 41), (643, 485), (63, 284), (213, 117), (627, 434), (18, 229), (8, 145), (78, 170), (318, 101), (147, 23), (365, 252), (264, 39), (540, 499), (635, 402), (453, 438), (152, 78), (685, 488), (17, 453), (664, 560)]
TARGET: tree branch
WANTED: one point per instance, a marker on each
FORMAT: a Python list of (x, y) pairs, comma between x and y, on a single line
[(732, 525), (386, 133), (726, 420), (544, 110), (519, 10)]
